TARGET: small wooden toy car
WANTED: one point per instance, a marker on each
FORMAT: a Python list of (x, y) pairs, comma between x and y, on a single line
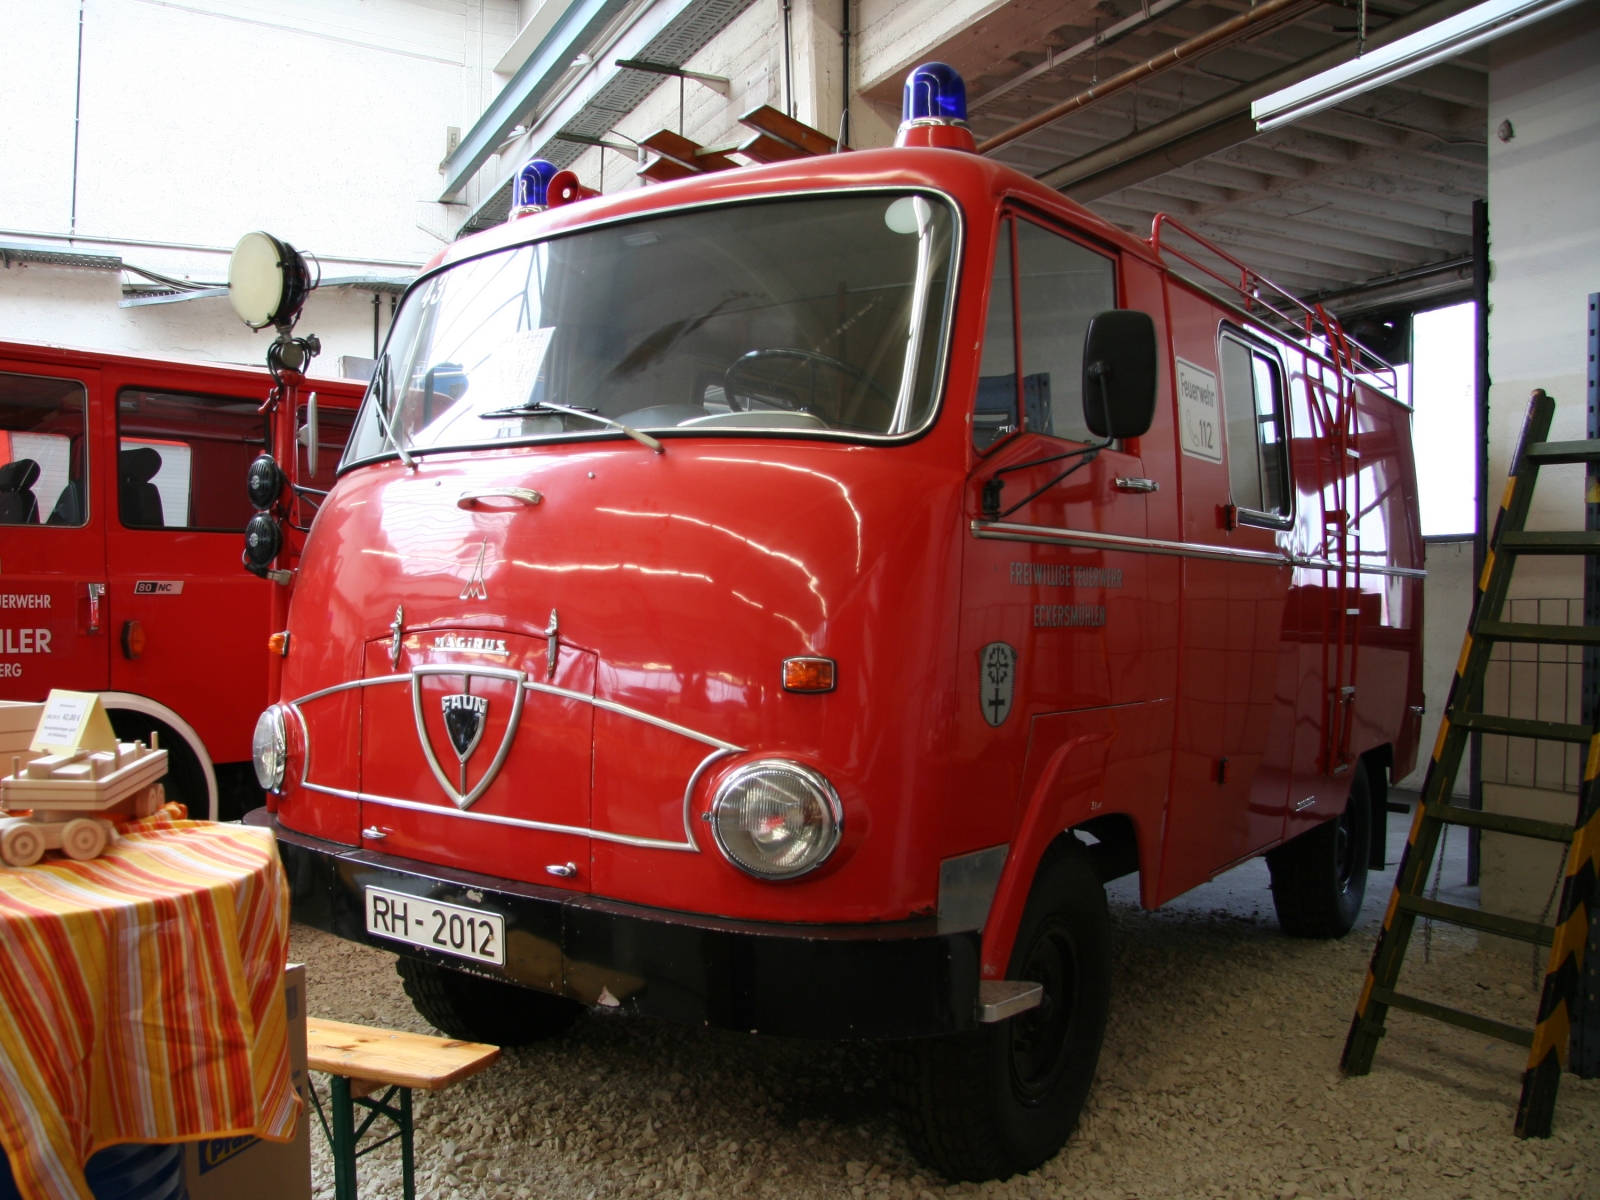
[(70, 800)]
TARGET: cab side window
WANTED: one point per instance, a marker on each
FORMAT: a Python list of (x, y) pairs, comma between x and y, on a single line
[(42, 480), (181, 460), (1044, 289), (1060, 285), (1253, 404)]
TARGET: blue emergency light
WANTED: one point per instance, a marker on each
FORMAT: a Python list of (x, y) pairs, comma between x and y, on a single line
[(531, 191), (935, 92)]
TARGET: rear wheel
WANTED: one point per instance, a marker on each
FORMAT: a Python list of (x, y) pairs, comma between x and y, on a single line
[(185, 780), (1003, 1098), (83, 838), (1320, 878), (476, 1009)]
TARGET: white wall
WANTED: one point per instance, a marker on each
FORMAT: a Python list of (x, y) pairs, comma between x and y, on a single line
[(322, 121), (1545, 253)]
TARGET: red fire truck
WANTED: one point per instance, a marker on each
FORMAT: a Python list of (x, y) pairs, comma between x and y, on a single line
[(121, 503), (782, 598)]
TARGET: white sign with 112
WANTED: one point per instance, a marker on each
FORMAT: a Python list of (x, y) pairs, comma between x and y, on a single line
[(1199, 417)]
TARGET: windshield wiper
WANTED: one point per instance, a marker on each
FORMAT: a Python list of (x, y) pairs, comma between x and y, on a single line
[(530, 410), (381, 375)]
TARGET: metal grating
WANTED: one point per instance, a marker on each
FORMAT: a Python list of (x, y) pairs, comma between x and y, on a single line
[(45, 256), (623, 92)]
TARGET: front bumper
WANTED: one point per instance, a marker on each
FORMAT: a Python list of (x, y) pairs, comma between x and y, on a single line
[(900, 979)]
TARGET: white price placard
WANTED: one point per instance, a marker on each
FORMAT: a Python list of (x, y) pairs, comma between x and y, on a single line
[(72, 721)]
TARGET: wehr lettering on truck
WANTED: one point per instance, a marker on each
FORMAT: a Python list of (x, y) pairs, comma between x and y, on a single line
[(15, 641), (783, 600)]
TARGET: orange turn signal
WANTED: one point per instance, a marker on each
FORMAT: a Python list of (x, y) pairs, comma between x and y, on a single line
[(132, 639), (808, 674), (278, 644)]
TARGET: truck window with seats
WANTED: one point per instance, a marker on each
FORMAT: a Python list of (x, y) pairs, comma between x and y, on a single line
[(1253, 407), (180, 458), (42, 451)]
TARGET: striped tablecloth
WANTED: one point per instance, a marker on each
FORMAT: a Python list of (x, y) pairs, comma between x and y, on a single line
[(141, 998)]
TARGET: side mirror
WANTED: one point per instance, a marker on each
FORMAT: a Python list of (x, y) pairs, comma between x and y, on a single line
[(307, 436), (1119, 373)]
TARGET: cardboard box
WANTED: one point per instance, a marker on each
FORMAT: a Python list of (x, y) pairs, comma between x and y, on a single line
[(247, 1168)]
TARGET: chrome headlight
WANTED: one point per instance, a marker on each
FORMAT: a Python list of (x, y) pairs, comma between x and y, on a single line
[(776, 819), (269, 748)]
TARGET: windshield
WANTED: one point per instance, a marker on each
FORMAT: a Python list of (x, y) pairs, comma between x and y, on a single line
[(821, 314)]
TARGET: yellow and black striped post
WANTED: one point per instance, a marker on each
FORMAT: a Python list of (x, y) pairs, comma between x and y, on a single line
[(1548, 1055)]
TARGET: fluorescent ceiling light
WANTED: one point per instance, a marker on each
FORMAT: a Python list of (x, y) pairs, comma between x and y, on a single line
[(1442, 40)]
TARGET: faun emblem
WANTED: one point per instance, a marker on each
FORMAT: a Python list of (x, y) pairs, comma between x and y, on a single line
[(464, 718)]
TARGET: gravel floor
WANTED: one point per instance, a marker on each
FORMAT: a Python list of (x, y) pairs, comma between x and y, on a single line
[(1219, 1078)]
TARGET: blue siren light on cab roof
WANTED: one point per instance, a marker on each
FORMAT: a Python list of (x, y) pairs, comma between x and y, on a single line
[(934, 91), (934, 111), (532, 191)]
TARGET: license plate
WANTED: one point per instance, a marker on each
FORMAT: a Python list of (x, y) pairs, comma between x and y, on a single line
[(446, 928)]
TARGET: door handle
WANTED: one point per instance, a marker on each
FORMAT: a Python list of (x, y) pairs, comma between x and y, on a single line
[(1127, 483), (525, 495), (97, 593)]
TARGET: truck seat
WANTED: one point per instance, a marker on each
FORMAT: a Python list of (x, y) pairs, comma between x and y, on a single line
[(18, 504), (140, 499)]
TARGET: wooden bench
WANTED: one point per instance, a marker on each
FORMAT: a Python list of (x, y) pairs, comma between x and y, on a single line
[(363, 1061)]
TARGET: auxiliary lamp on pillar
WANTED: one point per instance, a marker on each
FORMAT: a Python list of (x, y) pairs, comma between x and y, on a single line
[(933, 111), (268, 282)]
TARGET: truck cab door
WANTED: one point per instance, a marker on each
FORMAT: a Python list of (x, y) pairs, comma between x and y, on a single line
[(53, 604), (1056, 591), (190, 624)]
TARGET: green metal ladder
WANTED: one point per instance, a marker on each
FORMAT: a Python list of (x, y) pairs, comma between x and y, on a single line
[(1547, 1042)]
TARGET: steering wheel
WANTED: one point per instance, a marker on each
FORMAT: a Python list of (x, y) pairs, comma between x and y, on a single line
[(812, 356)]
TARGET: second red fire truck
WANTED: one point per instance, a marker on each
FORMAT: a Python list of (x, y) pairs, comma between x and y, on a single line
[(781, 599), (122, 499)]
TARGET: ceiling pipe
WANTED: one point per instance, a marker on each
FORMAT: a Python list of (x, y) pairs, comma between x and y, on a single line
[(1161, 141), (1252, 20)]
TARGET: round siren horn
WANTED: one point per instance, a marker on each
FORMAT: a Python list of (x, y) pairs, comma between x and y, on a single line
[(530, 193), (565, 189), (933, 111)]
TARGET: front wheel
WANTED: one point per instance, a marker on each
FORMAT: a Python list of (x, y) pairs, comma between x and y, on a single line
[(1320, 878), (1003, 1098), (476, 1009)]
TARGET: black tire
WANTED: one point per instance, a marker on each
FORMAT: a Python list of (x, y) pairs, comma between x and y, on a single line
[(1004, 1098), (1320, 878), (476, 1009), (185, 780)]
